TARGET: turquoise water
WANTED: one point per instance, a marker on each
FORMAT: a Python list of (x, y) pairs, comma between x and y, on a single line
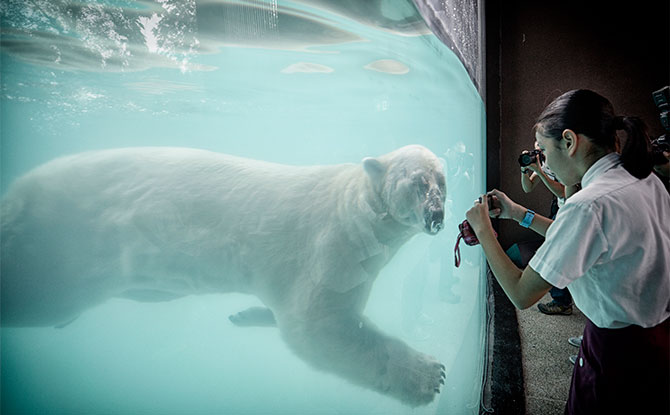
[(288, 82)]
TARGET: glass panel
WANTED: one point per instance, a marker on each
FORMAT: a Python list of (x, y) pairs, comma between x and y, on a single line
[(457, 23), (299, 83)]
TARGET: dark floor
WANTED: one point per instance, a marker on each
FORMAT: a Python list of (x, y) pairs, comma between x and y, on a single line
[(544, 355)]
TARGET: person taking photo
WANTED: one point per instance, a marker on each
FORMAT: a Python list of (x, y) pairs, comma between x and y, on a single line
[(609, 244)]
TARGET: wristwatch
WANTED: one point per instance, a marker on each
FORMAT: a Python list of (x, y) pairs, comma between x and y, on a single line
[(527, 219)]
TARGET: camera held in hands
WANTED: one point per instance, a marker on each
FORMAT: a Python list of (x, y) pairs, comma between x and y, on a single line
[(466, 233), (526, 159)]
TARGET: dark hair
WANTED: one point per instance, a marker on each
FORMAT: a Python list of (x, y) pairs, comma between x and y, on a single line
[(586, 112)]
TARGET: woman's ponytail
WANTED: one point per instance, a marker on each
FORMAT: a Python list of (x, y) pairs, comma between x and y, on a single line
[(636, 151)]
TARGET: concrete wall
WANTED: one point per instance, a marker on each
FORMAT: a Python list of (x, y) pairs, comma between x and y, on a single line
[(537, 50)]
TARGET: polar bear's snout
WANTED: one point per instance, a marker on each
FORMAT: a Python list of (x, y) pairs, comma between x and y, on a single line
[(433, 220), (433, 212)]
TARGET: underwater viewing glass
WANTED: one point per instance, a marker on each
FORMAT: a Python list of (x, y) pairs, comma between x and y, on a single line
[(301, 83)]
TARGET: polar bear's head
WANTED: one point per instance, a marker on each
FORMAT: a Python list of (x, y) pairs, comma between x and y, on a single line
[(412, 186)]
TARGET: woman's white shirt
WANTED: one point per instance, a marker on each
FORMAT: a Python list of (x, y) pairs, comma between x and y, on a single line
[(610, 244)]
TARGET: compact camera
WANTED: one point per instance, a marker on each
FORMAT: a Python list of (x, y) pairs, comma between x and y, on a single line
[(466, 233), (661, 144), (526, 159)]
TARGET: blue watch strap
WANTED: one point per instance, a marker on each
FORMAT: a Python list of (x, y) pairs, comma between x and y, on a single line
[(528, 218)]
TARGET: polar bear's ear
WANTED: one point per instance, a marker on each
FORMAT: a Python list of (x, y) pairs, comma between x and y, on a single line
[(374, 168)]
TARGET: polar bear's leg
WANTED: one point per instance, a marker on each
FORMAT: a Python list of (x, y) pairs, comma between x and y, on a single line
[(254, 316), (355, 349)]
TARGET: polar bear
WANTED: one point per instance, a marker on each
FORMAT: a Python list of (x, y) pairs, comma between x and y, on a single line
[(154, 224)]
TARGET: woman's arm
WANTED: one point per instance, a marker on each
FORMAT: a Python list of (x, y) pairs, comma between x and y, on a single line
[(529, 175), (528, 181), (504, 208), (555, 187), (524, 288), (540, 224)]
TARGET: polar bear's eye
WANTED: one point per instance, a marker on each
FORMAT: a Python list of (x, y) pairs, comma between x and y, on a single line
[(422, 183), (442, 184)]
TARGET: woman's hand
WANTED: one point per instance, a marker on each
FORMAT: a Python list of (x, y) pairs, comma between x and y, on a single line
[(478, 215), (503, 207), (494, 204), (535, 165)]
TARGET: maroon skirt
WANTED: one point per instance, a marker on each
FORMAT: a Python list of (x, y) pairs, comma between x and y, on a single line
[(622, 371)]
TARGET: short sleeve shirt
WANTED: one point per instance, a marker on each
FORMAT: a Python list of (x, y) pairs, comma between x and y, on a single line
[(610, 245)]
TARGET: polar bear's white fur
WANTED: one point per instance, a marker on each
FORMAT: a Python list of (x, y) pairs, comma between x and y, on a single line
[(155, 224)]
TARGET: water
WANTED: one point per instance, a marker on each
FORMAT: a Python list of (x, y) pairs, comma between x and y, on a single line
[(297, 83)]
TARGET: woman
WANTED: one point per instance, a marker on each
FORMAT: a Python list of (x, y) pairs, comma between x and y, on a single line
[(609, 243)]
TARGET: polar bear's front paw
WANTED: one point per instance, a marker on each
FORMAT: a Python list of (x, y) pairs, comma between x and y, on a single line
[(415, 379), (254, 317)]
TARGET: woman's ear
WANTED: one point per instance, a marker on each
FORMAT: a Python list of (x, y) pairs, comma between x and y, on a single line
[(569, 141)]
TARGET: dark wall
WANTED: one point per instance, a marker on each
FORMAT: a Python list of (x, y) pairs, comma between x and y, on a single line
[(537, 50)]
